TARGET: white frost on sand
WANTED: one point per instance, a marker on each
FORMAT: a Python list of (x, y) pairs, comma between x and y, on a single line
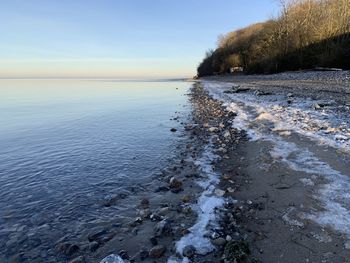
[(324, 126), (207, 203), (267, 118)]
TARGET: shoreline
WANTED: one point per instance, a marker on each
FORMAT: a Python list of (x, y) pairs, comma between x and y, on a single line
[(246, 187)]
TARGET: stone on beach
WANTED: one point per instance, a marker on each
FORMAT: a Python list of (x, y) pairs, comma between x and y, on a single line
[(113, 259), (175, 183), (157, 251), (189, 251), (163, 227)]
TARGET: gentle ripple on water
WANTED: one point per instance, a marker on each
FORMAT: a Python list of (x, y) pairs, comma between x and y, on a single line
[(65, 146)]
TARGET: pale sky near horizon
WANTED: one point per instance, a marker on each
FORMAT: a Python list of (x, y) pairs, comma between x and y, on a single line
[(117, 38)]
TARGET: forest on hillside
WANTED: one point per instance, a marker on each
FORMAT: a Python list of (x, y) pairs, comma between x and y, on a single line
[(305, 34)]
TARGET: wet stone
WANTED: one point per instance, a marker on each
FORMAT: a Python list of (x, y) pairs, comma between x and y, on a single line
[(162, 189), (162, 228), (153, 241), (78, 260), (144, 254), (219, 241), (123, 254), (157, 251), (67, 249), (189, 251)]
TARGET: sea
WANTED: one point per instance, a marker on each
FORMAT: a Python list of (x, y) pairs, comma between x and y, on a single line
[(68, 148)]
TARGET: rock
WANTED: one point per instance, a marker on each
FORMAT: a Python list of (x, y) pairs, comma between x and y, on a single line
[(78, 260), (220, 241), (236, 251), (144, 254), (163, 211), (316, 106), (162, 189), (174, 183), (100, 235), (157, 251), (173, 130), (153, 241), (185, 198), (93, 246), (145, 213), (262, 93), (113, 259), (67, 249), (231, 190), (123, 254), (219, 192), (213, 129), (189, 251), (145, 202), (163, 227)]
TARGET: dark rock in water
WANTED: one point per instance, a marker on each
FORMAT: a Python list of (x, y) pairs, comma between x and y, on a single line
[(144, 254), (123, 254), (153, 241), (157, 251), (145, 202), (175, 184), (236, 251), (162, 189), (67, 249), (176, 190), (113, 199), (163, 228), (78, 260), (100, 235), (173, 130), (145, 213), (189, 251), (93, 246)]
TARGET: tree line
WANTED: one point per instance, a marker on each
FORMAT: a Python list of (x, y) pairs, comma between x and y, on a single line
[(304, 35)]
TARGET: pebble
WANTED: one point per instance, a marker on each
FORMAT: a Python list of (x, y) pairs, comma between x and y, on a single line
[(113, 259), (189, 251), (157, 251), (173, 130), (124, 254), (144, 254), (153, 241), (219, 241), (163, 227), (77, 260), (145, 202), (219, 192), (67, 248), (174, 183)]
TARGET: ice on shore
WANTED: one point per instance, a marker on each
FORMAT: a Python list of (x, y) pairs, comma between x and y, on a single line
[(326, 127), (270, 118), (205, 208)]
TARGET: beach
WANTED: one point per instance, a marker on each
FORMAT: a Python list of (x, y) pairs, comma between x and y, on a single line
[(264, 177), (258, 172)]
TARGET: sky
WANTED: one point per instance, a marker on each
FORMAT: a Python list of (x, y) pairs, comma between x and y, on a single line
[(117, 38)]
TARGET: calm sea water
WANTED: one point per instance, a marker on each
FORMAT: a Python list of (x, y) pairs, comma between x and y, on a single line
[(68, 145)]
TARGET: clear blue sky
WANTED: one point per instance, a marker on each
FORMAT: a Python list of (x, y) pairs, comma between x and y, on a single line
[(117, 38)]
